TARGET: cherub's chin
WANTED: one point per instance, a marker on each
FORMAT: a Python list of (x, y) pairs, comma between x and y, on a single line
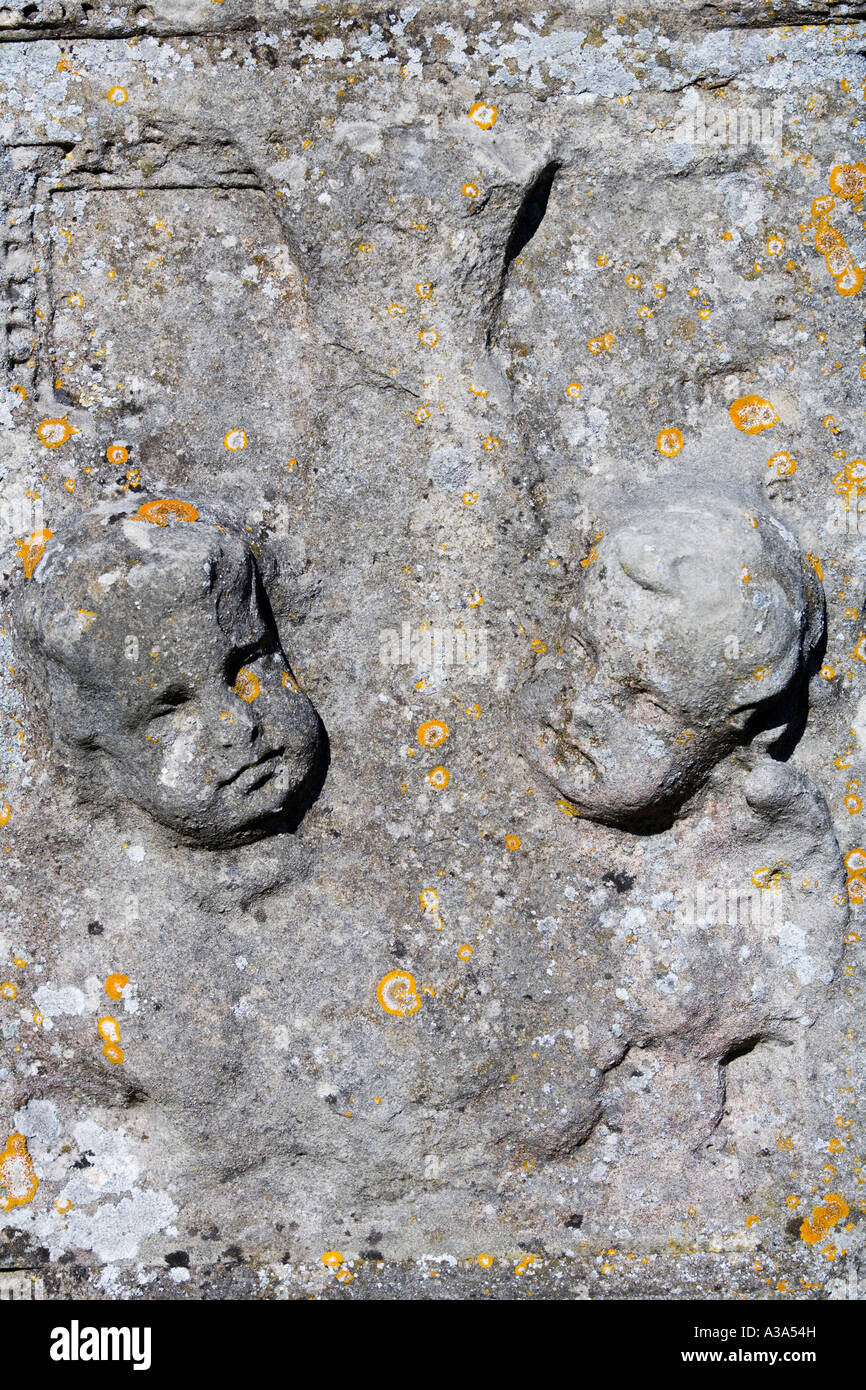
[(265, 799)]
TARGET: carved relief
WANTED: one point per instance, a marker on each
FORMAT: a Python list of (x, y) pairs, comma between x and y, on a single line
[(695, 628), (165, 678), (668, 709)]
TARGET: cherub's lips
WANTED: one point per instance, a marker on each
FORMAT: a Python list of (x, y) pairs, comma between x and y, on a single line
[(253, 775)]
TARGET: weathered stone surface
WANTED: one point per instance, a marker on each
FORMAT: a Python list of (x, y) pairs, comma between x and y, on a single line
[(493, 377)]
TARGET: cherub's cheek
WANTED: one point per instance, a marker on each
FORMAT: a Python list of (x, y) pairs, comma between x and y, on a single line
[(181, 761)]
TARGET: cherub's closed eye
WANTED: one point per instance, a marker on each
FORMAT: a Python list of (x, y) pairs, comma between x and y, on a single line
[(168, 700)]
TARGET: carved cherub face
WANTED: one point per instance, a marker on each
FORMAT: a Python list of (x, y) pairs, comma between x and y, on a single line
[(690, 633), (165, 672)]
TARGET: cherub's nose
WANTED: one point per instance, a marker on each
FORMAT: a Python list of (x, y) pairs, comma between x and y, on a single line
[(238, 727)]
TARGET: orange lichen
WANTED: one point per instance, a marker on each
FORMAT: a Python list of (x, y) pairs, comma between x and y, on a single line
[(439, 778), (116, 95), (246, 685), (573, 389), (815, 563), (855, 861), (822, 205), (115, 985), (827, 237), (429, 337), (431, 733), (512, 842), (117, 453), (824, 1218), (465, 952), (482, 115), (775, 245), (851, 482), (31, 550), (670, 441), (751, 414), (108, 1029), (163, 510), (837, 260), (332, 1258), (8, 990), (783, 463), (593, 554), (470, 498), (848, 181), (602, 344), (485, 1261), (850, 281), (114, 1053), (768, 876), (397, 993), (53, 433), (16, 1173), (235, 439), (469, 190)]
